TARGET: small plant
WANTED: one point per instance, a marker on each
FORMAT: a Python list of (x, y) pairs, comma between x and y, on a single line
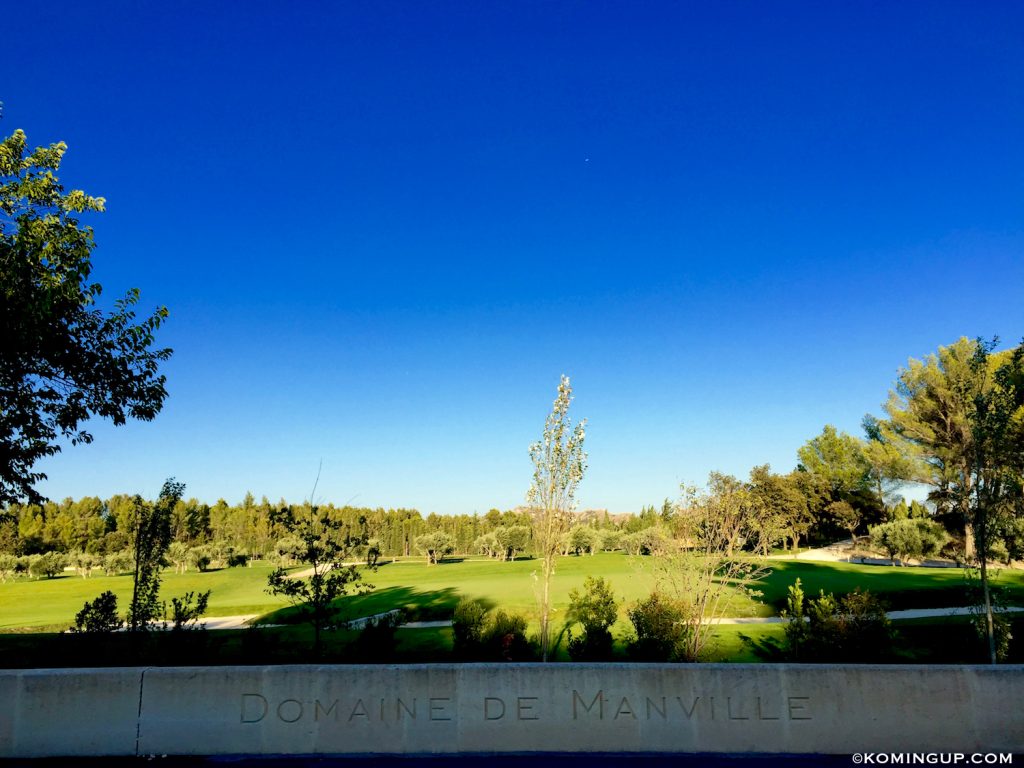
[(187, 609), (99, 615)]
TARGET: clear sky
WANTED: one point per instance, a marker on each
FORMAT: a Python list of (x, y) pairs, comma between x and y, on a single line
[(383, 230)]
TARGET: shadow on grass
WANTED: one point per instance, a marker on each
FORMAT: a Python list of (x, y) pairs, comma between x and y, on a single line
[(899, 588), (418, 605)]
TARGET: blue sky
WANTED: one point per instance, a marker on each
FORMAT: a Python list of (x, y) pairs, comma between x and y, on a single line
[(383, 230)]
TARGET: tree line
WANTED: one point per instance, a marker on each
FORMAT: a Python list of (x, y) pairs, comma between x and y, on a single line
[(842, 486)]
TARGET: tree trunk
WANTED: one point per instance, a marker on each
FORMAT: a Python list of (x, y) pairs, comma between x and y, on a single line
[(544, 605)]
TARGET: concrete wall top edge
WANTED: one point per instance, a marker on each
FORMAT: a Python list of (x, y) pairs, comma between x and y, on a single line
[(893, 668)]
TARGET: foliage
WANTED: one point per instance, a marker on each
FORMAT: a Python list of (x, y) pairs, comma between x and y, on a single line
[(596, 609), (559, 463), (326, 544), (188, 609), (699, 574), (435, 546), (99, 615), (909, 538), (583, 538), (63, 360), (661, 627), (779, 509), (930, 411), (83, 563), (8, 566), (468, 627), (118, 562), (376, 640), (997, 601), (151, 529), (510, 540), (853, 628), (888, 462), (372, 553), (837, 458), (504, 638), (479, 635), (48, 565), (201, 557)]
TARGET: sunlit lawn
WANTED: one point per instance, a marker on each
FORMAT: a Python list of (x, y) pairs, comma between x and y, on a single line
[(53, 603), (433, 591)]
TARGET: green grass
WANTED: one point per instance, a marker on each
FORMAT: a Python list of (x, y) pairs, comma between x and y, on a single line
[(47, 607), (433, 591), (900, 587), (53, 603)]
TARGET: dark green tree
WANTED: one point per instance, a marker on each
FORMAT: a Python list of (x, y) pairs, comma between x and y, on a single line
[(325, 545), (63, 360)]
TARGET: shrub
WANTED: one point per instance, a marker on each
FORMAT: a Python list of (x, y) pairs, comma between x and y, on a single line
[(187, 609), (237, 559), (376, 640), (596, 609), (201, 557), (504, 638), (661, 629), (467, 628), (99, 615), (853, 628)]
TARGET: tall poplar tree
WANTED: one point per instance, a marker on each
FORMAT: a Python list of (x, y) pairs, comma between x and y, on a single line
[(559, 463)]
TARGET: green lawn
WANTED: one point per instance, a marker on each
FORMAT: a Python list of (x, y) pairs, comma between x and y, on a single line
[(53, 603), (432, 591)]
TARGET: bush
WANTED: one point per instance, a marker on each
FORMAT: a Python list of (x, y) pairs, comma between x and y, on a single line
[(237, 559), (201, 557), (376, 640), (661, 630), (468, 627), (187, 609), (99, 615), (854, 628), (504, 638), (596, 609)]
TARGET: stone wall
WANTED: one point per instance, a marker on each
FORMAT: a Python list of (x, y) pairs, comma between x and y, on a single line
[(732, 708)]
